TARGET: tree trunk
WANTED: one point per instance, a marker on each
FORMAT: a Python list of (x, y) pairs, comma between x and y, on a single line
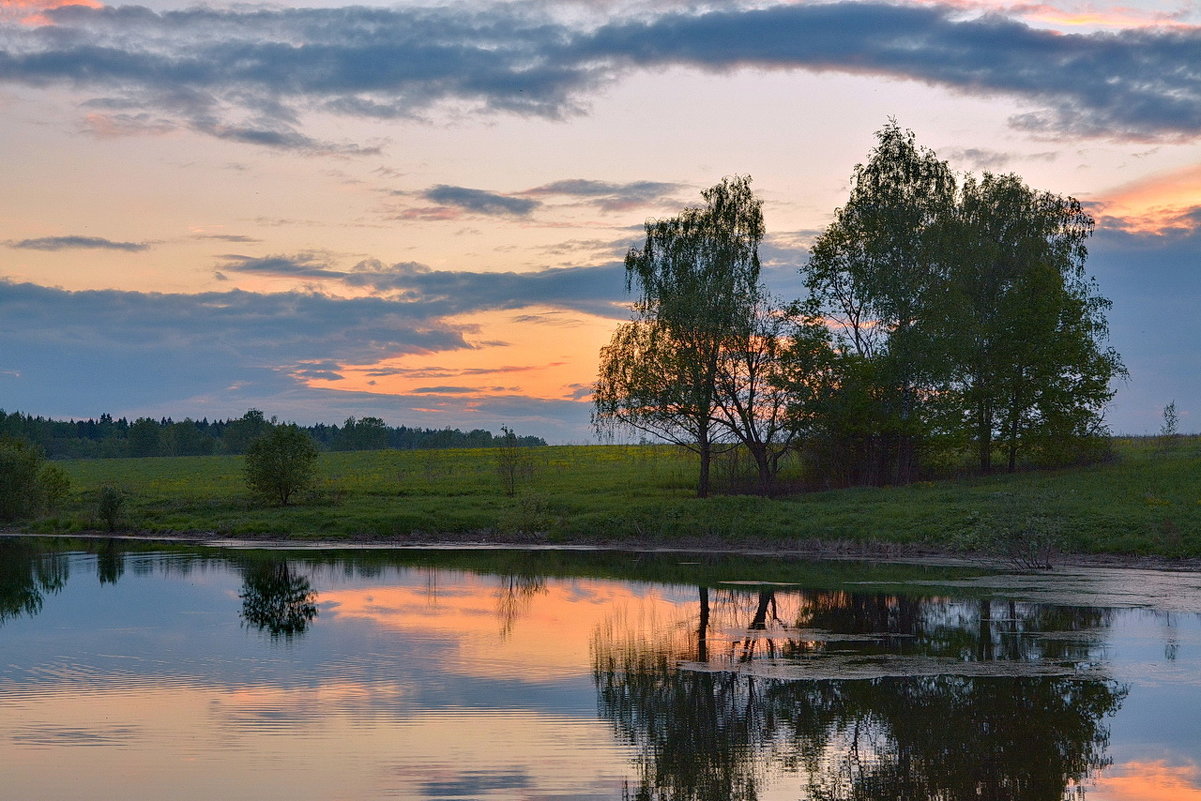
[(705, 450), (984, 436)]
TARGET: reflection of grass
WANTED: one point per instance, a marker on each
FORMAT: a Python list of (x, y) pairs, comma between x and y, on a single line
[(644, 494)]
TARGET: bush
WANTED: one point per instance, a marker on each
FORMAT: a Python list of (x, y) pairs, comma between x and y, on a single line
[(28, 484), (109, 504), (281, 463)]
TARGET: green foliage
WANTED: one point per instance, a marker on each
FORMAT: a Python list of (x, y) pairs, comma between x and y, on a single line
[(281, 463), (956, 314), (1169, 432), (110, 502), (514, 465), (28, 484), (1141, 501), (1020, 527), (696, 282)]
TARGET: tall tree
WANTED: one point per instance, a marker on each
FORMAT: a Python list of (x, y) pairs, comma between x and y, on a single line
[(872, 274), (694, 278), (1022, 324)]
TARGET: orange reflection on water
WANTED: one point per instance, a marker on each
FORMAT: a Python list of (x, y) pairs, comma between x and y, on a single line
[(1149, 781), (337, 740), (500, 626)]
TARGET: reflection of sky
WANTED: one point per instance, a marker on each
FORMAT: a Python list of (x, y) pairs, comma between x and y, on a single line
[(416, 684)]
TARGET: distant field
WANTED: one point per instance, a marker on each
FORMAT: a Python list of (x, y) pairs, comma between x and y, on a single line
[(1147, 501)]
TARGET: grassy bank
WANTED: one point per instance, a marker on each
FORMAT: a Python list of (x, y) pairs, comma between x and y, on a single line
[(1146, 501)]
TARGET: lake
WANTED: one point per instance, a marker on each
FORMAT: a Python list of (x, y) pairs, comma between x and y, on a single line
[(130, 670)]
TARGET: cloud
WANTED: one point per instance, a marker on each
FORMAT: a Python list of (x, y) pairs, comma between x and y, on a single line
[(302, 266), (220, 353), (480, 201), (593, 289), (249, 75), (235, 238), (446, 390), (136, 347), (77, 243), (1158, 204), (609, 196)]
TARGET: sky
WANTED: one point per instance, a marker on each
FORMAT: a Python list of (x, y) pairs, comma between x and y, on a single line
[(419, 211)]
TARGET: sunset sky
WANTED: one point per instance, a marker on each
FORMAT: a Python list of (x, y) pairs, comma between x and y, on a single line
[(419, 211)]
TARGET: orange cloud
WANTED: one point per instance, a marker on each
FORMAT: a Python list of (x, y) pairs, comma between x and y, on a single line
[(1070, 15), (536, 352), (1156, 205), (30, 12), (1150, 781), (1122, 17)]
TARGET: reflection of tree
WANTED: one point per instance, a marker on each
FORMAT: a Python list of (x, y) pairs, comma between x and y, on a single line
[(952, 737), (513, 598), (704, 732), (276, 600), (110, 562), (26, 576)]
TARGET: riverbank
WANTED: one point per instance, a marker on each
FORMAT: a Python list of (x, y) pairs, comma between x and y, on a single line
[(1144, 503)]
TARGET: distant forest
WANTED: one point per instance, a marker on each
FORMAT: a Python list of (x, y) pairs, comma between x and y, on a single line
[(107, 437)]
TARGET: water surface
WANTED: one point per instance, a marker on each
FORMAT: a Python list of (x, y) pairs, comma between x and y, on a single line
[(142, 672)]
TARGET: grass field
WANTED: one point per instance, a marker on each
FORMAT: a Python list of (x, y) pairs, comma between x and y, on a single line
[(1147, 501)]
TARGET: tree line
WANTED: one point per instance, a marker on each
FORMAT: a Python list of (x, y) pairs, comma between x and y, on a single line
[(942, 319), (106, 437)]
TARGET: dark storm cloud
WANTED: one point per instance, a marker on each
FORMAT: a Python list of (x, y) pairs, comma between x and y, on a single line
[(479, 201), (250, 74), (77, 243)]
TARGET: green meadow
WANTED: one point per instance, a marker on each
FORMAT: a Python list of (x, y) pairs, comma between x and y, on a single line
[(1144, 501)]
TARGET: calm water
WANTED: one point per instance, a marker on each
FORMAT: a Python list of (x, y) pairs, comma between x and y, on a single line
[(231, 674)]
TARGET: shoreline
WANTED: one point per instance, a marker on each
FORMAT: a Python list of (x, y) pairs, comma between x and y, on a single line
[(811, 549)]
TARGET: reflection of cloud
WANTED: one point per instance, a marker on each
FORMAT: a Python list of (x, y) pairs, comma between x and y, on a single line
[(549, 641), (1150, 781), (376, 738)]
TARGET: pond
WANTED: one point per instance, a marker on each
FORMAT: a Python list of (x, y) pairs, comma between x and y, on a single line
[(129, 670)]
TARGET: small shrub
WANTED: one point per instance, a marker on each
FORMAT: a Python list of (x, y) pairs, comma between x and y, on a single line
[(1021, 530), (514, 463), (1169, 433), (110, 503)]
